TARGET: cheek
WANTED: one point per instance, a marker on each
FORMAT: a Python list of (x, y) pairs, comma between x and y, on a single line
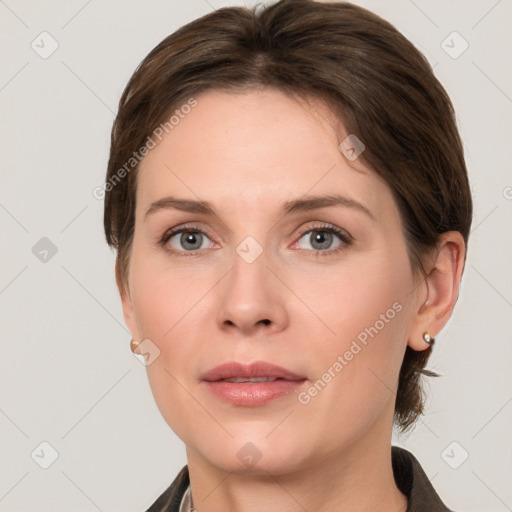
[(170, 310), (165, 311), (358, 358), (357, 298), (164, 292)]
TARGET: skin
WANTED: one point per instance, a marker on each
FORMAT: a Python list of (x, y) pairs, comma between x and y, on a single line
[(247, 154)]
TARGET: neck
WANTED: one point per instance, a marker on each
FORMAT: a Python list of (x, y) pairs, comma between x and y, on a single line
[(358, 478)]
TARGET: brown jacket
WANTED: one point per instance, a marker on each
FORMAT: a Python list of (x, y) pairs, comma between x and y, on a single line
[(409, 476)]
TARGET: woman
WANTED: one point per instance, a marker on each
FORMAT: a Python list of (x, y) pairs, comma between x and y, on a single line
[(289, 201)]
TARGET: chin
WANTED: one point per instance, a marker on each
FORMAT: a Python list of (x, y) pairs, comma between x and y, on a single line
[(246, 454)]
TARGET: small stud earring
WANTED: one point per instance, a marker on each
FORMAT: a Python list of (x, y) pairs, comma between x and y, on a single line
[(428, 339), (134, 345)]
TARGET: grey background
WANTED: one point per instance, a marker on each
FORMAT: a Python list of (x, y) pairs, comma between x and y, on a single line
[(67, 375)]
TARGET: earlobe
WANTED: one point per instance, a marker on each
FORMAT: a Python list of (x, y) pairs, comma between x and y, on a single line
[(440, 291)]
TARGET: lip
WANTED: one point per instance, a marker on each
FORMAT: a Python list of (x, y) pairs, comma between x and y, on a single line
[(251, 393)]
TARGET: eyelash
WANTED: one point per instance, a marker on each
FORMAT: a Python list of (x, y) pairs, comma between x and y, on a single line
[(346, 239)]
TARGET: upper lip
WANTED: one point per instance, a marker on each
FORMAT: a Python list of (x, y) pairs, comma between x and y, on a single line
[(234, 369)]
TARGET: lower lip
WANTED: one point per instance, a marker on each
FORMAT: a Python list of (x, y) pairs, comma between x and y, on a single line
[(253, 393)]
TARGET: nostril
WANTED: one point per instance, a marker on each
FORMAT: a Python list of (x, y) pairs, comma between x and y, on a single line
[(265, 321)]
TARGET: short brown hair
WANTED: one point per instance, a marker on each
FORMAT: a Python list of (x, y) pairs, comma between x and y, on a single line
[(378, 84)]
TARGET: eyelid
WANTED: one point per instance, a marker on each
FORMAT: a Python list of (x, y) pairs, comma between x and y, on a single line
[(321, 226), (183, 227)]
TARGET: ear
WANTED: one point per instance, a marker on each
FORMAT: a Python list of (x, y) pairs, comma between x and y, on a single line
[(438, 293), (126, 301)]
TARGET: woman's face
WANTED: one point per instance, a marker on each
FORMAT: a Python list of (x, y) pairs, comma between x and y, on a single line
[(322, 289)]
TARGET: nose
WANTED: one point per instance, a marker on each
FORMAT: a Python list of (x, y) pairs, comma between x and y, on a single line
[(252, 299)]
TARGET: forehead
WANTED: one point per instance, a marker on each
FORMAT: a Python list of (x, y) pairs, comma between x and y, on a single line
[(253, 148)]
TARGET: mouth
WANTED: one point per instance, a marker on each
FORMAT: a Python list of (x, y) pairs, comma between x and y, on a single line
[(253, 384), (254, 379)]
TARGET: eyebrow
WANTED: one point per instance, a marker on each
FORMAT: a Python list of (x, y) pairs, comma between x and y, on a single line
[(303, 204)]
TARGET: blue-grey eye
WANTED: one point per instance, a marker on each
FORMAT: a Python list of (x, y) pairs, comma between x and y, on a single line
[(320, 240), (190, 240)]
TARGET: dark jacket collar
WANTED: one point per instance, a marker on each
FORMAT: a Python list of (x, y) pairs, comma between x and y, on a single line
[(414, 483), (409, 477)]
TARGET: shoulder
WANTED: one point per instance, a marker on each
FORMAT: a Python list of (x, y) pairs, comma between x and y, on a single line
[(414, 483), (170, 499)]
